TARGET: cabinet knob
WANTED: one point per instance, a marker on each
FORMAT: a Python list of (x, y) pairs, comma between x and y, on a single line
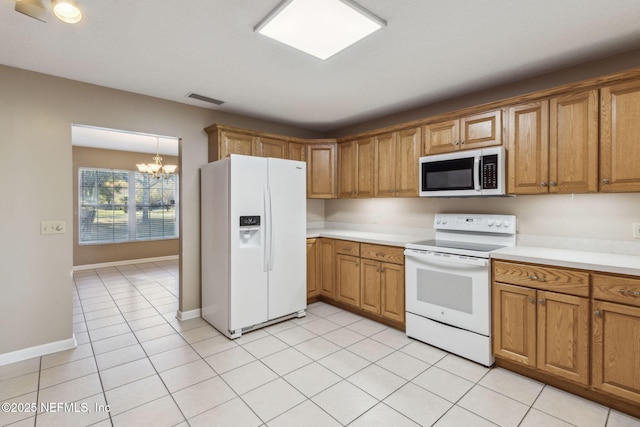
[(605, 181), (541, 301), (543, 183), (461, 142), (455, 142), (553, 183), (532, 300), (597, 313)]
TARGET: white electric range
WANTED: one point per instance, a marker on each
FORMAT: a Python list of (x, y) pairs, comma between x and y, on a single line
[(448, 286)]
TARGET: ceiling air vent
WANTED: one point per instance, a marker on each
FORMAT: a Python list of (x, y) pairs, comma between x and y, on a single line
[(205, 99)]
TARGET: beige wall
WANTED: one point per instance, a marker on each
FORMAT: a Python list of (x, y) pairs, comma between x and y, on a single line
[(592, 216), (96, 254), (36, 114)]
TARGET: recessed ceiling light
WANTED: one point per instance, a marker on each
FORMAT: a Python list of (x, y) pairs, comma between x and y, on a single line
[(320, 28), (67, 11)]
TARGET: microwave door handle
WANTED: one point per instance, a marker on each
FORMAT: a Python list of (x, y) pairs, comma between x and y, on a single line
[(476, 176)]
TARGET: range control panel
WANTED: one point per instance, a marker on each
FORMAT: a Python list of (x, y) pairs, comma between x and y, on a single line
[(476, 223)]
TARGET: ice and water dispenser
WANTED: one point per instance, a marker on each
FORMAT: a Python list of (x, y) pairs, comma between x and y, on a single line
[(250, 231)]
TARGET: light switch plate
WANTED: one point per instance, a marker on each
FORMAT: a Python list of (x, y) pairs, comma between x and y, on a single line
[(636, 230), (53, 227)]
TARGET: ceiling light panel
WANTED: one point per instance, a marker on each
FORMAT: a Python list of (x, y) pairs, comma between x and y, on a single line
[(320, 28)]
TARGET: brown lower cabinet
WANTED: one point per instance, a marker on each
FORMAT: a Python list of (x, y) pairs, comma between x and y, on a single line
[(363, 278), (575, 329)]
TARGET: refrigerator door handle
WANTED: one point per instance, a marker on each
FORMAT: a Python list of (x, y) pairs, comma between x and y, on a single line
[(267, 204), (270, 225)]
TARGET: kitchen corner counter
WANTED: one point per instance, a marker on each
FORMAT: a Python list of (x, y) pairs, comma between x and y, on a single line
[(363, 236), (599, 261)]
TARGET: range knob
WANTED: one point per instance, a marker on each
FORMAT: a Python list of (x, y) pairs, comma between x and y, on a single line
[(498, 223), (438, 220), (490, 223), (506, 223), (444, 221)]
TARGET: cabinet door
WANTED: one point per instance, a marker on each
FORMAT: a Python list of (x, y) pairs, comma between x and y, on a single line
[(370, 290), (616, 356), (364, 167), (312, 268), (481, 130), (528, 148), (406, 159), (514, 323), (573, 143), (326, 254), (563, 336), (236, 143), (443, 137), (348, 279), (385, 165), (266, 147), (620, 138), (321, 171), (346, 169), (297, 151), (392, 282)]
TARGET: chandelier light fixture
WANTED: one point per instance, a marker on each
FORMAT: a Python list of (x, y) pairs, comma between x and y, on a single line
[(157, 169)]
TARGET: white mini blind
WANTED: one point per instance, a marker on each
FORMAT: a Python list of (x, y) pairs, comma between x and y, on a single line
[(119, 206)]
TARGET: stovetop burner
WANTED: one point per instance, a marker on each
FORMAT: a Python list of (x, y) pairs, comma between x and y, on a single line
[(468, 246)]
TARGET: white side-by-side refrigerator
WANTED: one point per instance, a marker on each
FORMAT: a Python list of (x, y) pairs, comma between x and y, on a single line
[(253, 242)]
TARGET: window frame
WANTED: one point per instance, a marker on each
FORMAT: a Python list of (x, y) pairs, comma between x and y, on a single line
[(132, 207)]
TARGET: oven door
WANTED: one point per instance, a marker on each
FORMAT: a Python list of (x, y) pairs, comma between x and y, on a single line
[(451, 289)]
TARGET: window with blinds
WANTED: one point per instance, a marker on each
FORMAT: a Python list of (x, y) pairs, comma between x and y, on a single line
[(119, 206)]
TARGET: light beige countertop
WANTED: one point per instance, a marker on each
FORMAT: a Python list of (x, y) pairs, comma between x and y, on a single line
[(563, 255), (364, 236), (599, 261)]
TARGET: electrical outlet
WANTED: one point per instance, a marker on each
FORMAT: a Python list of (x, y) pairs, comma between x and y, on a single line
[(636, 230), (53, 227)]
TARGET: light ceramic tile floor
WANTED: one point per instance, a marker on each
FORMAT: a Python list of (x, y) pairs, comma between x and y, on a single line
[(330, 368)]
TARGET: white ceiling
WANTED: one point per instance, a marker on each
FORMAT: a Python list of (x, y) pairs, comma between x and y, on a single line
[(430, 50)]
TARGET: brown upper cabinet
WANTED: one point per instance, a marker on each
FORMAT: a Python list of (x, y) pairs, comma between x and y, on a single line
[(321, 171), (573, 143), (396, 163), (268, 147), (355, 168), (223, 142), (474, 131), (297, 151), (528, 148), (553, 145), (620, 137)]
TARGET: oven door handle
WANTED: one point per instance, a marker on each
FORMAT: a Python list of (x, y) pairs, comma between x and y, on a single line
[(428, 256)]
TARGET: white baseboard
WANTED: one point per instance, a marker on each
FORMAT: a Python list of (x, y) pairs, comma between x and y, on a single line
[(125, 262), (37, 351), (186, 315)]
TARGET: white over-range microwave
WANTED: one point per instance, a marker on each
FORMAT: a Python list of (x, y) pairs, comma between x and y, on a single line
[(463, 173)]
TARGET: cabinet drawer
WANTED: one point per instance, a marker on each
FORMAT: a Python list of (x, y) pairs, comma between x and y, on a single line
[(573, 282), (383, 253), (346, 247), (623, 289)]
